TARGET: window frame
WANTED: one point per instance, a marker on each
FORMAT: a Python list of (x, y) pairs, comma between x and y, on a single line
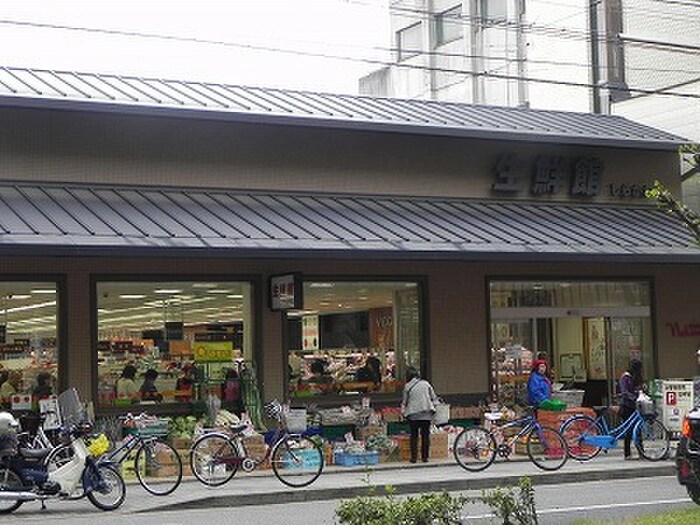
[(256, 291), (400, 46), (421, 283), (453, 15)]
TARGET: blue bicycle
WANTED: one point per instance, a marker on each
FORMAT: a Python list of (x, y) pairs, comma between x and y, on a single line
[(587, 436)]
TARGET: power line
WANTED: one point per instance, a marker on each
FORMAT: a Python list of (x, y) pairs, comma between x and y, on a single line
[(254, 47)]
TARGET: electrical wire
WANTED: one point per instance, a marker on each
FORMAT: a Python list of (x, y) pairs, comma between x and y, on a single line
[(253, 47)]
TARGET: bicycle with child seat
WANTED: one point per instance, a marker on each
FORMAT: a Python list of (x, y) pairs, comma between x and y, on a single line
[(587, 436), (476, 448), (296, 460)]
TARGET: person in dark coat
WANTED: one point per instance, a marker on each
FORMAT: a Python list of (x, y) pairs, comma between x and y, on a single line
[(630, 384), (148, 390), (43, 388)]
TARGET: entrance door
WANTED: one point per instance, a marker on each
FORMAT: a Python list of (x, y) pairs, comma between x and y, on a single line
[(610, 343)]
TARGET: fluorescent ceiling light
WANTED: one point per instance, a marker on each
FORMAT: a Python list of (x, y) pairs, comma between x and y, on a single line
[(219, 290), (235, 296), (167, 291), (45, 290), (321, 285), (204, 285), (131, 296), (15, 297)]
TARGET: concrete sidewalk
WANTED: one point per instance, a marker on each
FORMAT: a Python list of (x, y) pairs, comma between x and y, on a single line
[(263, 488)]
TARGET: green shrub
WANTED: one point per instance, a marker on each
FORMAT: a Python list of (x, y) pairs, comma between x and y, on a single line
[(427, 509), (514, 505)]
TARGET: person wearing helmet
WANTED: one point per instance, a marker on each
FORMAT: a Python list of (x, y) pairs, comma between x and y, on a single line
[(9, 427)]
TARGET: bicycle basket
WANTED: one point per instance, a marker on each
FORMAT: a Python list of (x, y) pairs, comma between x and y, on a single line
[(645, 405)]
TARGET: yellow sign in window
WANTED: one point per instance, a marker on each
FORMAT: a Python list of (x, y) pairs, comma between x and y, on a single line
[(209, 352)]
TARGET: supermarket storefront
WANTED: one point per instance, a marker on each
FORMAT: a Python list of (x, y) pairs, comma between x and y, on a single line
[(160, 237)]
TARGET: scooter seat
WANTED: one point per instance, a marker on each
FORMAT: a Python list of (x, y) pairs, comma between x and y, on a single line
[(34, 453)]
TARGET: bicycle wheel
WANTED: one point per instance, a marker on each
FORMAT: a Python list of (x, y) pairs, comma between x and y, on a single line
[(547, 448), (653, 439), (214, 459), (475, 449), (158, 467), (107, 488), (9, 481), (574, 429), (297, 461)]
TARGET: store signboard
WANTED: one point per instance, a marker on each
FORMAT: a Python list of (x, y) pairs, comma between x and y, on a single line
[(213, 352), (309, 332), (677, 398), (286, 291), (174, 331)]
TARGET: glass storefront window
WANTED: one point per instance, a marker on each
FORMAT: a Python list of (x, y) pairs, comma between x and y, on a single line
[(353, 337), (28, 336), (587, 330), (172, 342)]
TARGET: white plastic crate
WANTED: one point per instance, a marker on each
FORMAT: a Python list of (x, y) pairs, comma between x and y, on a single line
[(295, 419), (572, 398)]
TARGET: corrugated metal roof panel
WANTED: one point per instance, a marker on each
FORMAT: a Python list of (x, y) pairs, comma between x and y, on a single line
[(57, 216), (46, 88)]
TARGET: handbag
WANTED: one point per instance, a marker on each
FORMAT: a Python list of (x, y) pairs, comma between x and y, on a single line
[(442, 413)]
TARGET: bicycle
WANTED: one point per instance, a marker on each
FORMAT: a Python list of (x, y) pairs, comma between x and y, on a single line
[(296, 460), (587, 436), (157, 464), (476, 447)]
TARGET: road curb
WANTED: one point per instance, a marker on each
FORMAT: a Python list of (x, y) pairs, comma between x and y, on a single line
[(413, 487)]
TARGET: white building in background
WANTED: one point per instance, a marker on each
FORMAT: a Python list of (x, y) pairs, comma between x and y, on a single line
[(603, 56)]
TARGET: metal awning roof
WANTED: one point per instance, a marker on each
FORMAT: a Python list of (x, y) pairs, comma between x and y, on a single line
[(69, 90), (92, 220)]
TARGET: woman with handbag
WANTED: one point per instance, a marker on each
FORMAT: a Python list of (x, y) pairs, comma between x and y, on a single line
[(418, 407)]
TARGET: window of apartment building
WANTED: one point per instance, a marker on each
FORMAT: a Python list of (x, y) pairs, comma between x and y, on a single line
[(185, 335), (28, 342), (494, 11), (409, 41), (449, 25), (587, 330), (354, 337)]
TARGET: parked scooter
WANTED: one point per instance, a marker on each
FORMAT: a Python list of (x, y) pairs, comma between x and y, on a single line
[(24, 476)]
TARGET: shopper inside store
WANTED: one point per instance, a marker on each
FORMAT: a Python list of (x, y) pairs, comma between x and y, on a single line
[(126, 386)]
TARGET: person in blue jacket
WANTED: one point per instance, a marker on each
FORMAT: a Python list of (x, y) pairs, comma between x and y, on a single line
[(539, 387)]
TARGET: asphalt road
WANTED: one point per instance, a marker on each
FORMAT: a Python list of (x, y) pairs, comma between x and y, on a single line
[(557, 504)]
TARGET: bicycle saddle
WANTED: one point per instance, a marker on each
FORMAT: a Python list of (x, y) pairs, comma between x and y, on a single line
[(600, 410), (237, 429)]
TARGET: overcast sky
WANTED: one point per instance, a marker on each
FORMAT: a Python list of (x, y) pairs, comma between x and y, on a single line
[(352, 28)]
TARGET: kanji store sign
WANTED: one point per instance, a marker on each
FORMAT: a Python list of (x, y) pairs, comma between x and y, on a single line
[(553, 174), (286, 291)]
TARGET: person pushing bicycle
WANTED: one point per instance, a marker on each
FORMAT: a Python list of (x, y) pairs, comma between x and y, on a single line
[(631, 383)]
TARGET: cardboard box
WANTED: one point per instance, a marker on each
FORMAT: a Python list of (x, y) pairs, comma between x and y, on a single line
[(181, 443), (438, 446), (164, 471), (362, 433)]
